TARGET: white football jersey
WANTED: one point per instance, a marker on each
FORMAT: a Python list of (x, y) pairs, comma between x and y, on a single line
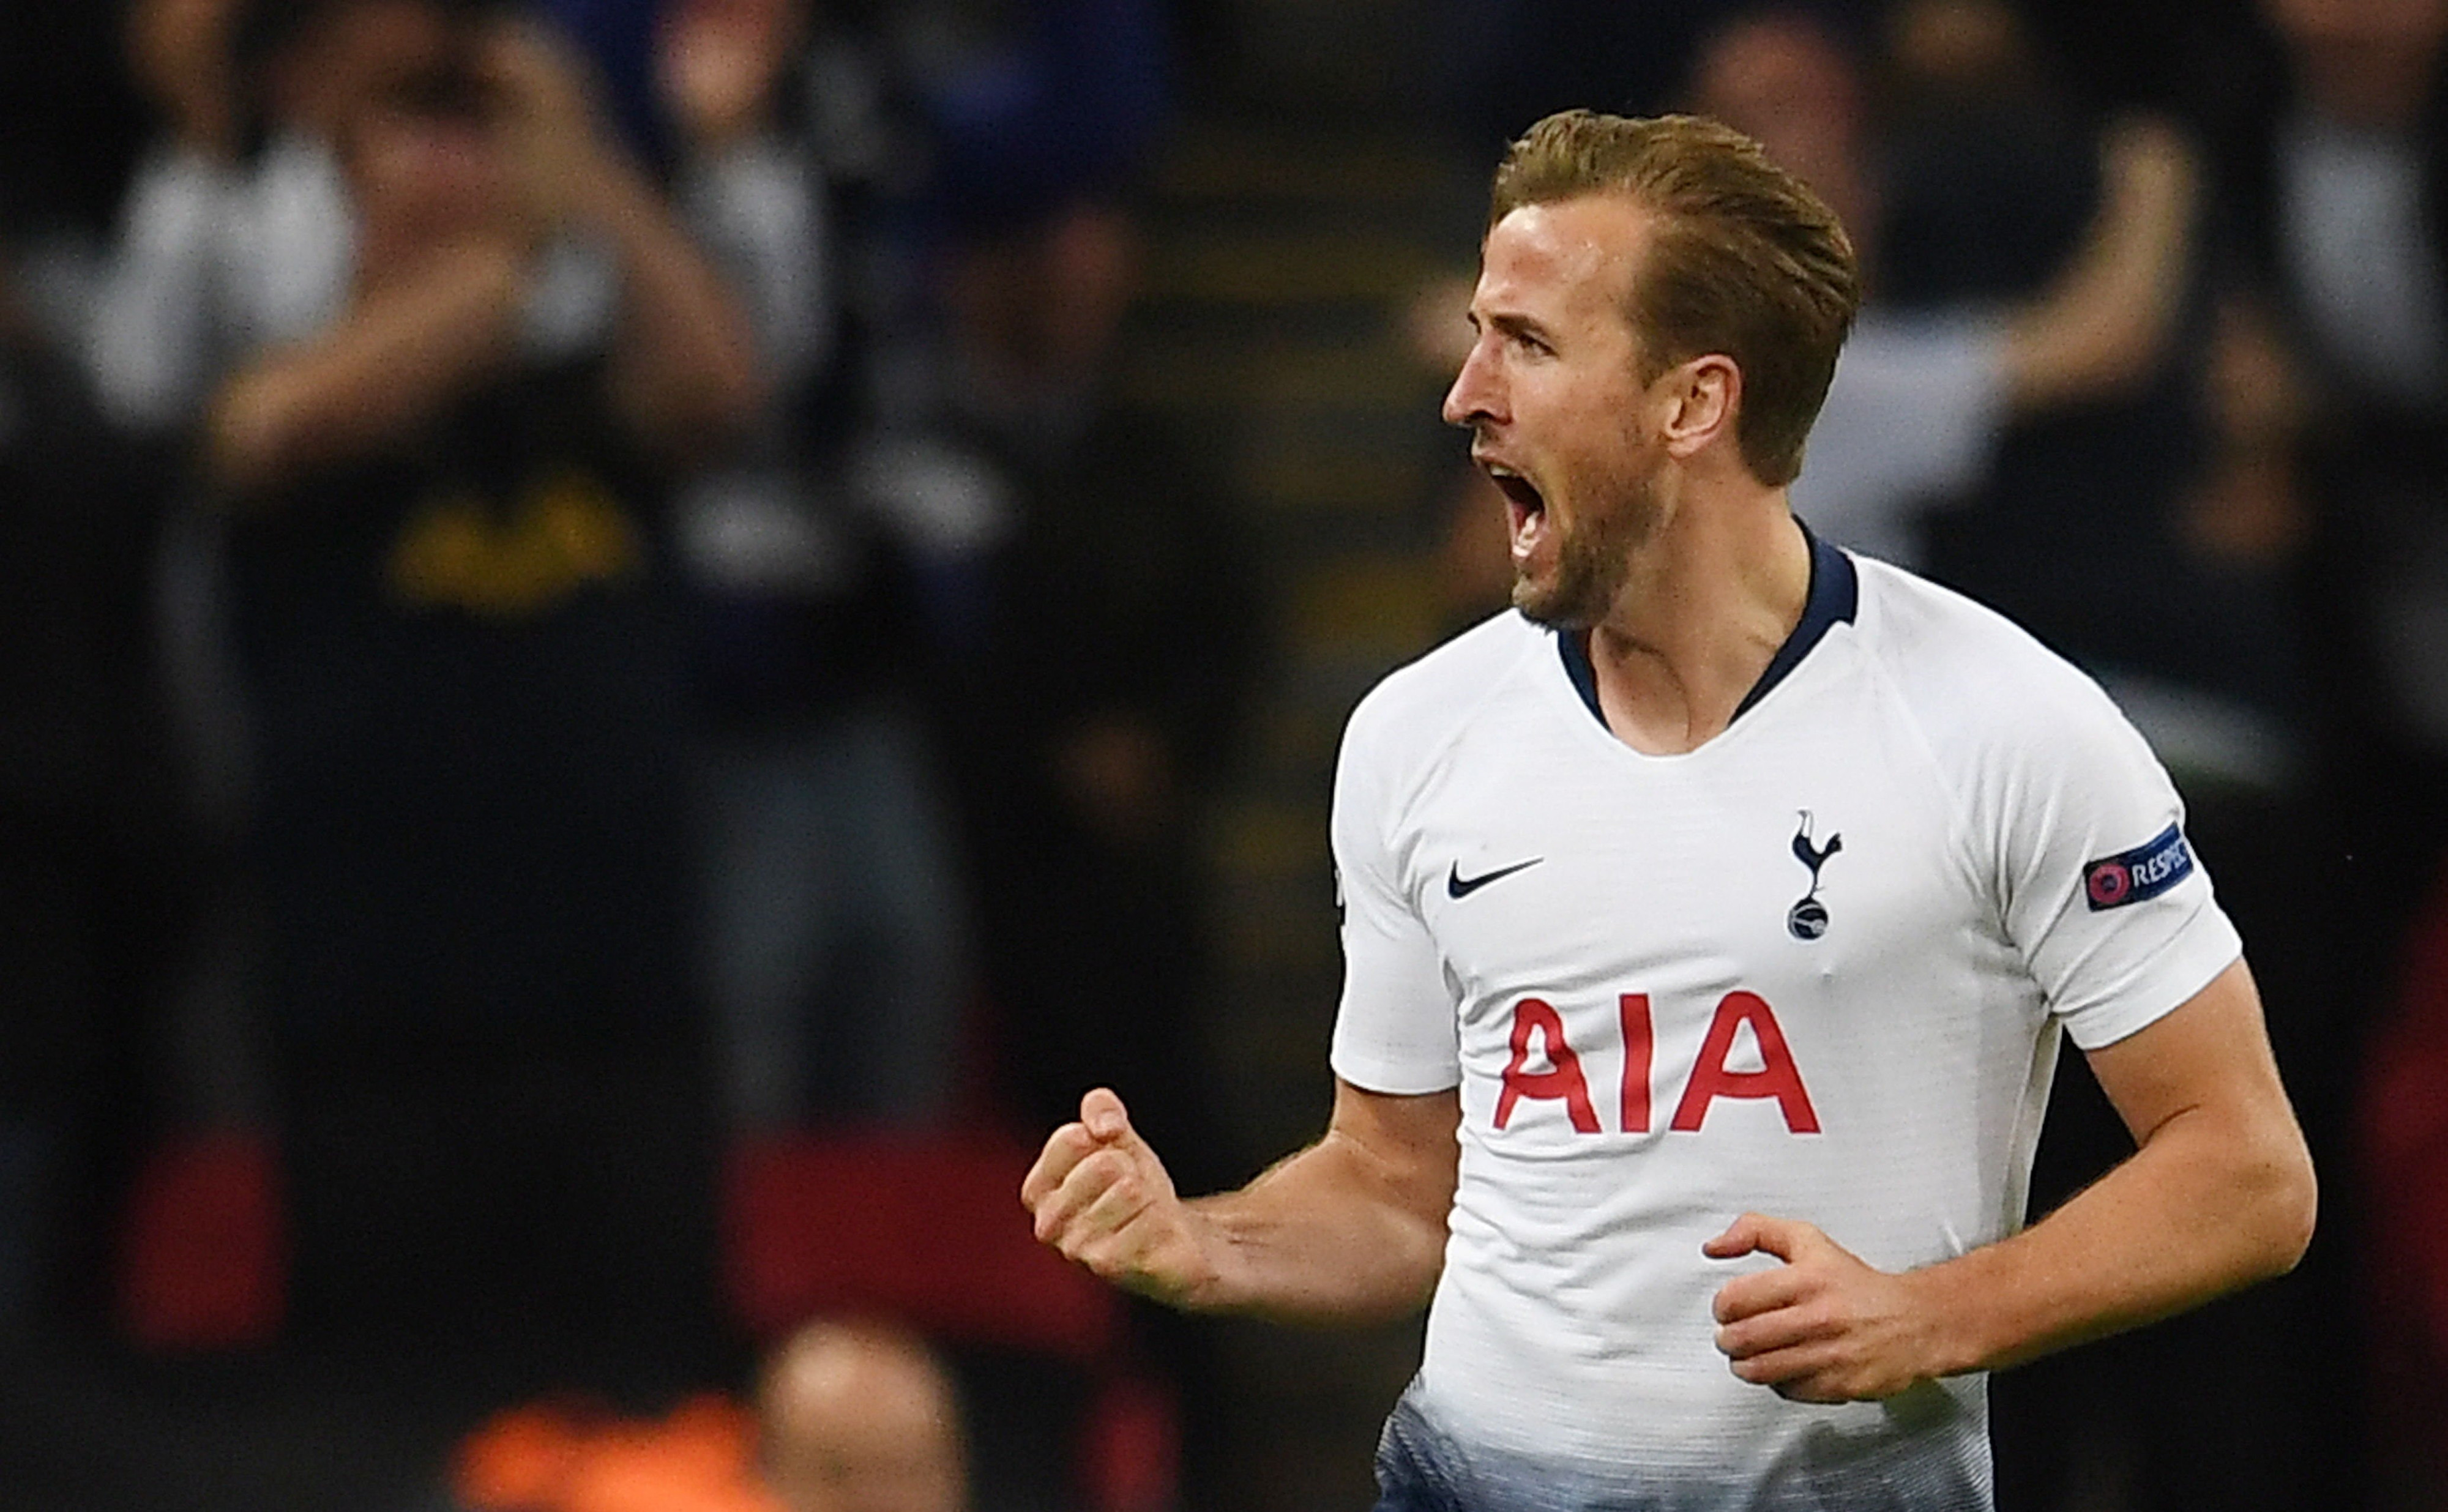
[(1815, 968)]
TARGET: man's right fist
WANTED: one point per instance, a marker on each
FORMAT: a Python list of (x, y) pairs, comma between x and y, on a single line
[(1102, 1196)]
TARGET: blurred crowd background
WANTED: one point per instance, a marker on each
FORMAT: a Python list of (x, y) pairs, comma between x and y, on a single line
[(637, 636)]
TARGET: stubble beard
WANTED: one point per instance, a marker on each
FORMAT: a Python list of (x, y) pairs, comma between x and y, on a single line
[(1593, 561)]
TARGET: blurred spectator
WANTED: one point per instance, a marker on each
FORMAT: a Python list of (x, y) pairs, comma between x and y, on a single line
[(2333, 168), (1102, 696), (1923, 396), (861, 1418), (2334, 144), (93, 862), (235, 233), (834, 930), (238, 233), (849, 1417), (454, 613), (1996, 184), (1091, 710)]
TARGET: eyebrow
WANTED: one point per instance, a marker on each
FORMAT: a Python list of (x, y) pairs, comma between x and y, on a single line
[(1512, 324)]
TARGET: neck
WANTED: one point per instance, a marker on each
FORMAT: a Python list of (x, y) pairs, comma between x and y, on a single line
[(1709, 600)]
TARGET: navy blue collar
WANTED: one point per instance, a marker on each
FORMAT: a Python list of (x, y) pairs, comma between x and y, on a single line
[(1835, 593)]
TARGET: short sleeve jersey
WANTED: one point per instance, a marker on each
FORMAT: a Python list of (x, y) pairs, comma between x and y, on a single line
[(1817, 968)]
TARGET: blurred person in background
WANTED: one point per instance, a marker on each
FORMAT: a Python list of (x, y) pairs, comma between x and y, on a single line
[(1102, 696), (1996, 188), (849, 1416), (235, 233), (453, 608), (834, 943), (2333, 168), (1080, 584), (861, 1417), (1093, 703), (1924, 395), (238, 231), (2332, 142)]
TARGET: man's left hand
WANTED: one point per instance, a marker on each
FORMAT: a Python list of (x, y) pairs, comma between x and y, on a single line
[(1824, 1326)]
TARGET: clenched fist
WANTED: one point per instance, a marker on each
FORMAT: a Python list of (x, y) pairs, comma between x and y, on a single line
[(1824, 1327), (1102, 1196)]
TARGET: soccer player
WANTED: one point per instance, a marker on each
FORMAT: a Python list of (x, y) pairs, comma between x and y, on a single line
[(1711, 924)]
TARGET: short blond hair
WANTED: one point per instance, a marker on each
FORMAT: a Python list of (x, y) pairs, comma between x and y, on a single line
[(1747, 261)]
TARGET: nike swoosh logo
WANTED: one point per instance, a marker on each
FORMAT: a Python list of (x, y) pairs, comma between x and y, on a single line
[(1458, 886)]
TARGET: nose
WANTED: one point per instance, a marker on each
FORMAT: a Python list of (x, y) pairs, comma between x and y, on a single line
[(1476, 392)]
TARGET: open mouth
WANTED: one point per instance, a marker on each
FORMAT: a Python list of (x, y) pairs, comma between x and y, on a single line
[(1526, 507)]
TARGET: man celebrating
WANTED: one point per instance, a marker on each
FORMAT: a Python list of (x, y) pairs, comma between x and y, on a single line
[(1710, 926)]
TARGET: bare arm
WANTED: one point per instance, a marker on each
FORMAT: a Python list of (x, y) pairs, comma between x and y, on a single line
[(179, 54), (2106, 321), (391, 364), (2245, 509), (1350, 1230), (684, 366), (2220, 1194)]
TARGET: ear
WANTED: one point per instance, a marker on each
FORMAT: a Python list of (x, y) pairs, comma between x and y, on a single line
[(1702, 398)]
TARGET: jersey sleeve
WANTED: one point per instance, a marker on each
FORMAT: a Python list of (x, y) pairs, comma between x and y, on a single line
[(2104, 898), (1394, 1029)]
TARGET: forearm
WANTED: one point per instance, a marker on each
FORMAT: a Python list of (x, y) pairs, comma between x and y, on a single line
[(684, 361), (1330, 1235), (390, 365), (2203, 1207), (2105, 323)]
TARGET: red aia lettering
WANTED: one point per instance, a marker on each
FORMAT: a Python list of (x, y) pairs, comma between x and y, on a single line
[(1561, 1080), (1639, 1047), (1778, 1077)]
